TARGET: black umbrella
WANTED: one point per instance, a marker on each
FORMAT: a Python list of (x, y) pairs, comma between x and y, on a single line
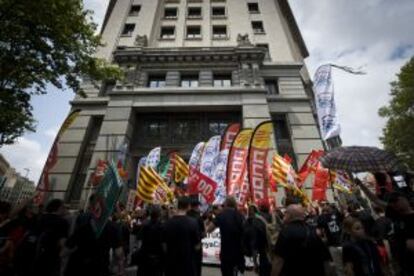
[(360, 159)]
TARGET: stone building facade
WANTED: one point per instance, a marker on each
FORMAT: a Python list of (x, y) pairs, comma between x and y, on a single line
[(191, 68)]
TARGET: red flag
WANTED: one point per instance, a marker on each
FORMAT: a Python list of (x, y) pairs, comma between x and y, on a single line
[(287, 158), (199, 183), (320, 184), (310, 166)]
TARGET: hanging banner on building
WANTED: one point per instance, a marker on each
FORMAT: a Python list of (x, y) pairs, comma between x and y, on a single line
[(107, 196), (196, 155), (325, 102), (229, 136), (210, 153), (237, 160), (198, 183), (219, 176), (259, 149), (153, 158), (43, 185)]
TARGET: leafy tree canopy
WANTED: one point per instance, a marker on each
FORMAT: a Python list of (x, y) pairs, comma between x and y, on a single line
[(42, 42), (398, 134)]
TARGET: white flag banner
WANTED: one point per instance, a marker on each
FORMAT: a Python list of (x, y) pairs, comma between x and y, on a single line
[(219, 176), (153, 158), (210, 153), (195, 158), (325, 102)]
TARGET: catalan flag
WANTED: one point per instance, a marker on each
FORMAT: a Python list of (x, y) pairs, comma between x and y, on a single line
[(341, 182), (148, 183), (181, 169), (282, 172)]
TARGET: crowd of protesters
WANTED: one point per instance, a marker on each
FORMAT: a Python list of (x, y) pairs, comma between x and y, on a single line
[(318, 239)]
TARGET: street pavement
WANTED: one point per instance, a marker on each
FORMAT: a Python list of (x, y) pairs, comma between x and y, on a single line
[(215, 271)]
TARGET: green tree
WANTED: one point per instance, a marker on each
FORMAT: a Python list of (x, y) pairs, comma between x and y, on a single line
[(44, 42), (398, 134)]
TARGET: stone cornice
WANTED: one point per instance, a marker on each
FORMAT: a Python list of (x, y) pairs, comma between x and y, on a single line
[(93, 101), (189, 54), (284, 98)]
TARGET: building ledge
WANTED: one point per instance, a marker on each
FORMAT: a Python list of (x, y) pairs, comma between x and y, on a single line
[(287, 98), (90, 101)]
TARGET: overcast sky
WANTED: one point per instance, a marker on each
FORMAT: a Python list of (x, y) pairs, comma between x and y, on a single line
[(376, 34)]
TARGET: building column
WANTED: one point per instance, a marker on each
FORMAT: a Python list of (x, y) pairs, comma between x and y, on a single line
[(117, 128)]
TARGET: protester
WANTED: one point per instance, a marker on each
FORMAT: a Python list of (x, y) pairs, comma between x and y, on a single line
[(151, 259), (360, 254), (90, 254), (53, 231), (230, 222), (194, 212), (181, 239), (6, 245), (299, 250)]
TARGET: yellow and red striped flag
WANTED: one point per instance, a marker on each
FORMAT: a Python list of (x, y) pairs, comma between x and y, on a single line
[(181, 169), (148, 183), (283, 173)]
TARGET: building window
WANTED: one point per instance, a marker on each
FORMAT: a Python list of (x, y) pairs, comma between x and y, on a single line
[(218, 12), (258, 27), (167, 32), (272, 87), (283, 137), (253, 7), (266, 47), (135, 9), (156, 81), (216, 127), (170, 13), (189, 81), (222, 80), (156, 128), (193, 32), (186, 130), (128, 29), (219, 32), (194, 12)]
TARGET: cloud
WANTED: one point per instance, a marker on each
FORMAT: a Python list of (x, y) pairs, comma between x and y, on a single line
[(99, 8), (372, 33), (26, 153)]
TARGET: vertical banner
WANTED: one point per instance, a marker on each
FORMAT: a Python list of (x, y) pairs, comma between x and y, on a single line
[(229, 136), (153, 158), (325, 102), (219, 176), (107, 195), (196, 155), (236, 165), (259, 148), (210, 153), (43, 185)]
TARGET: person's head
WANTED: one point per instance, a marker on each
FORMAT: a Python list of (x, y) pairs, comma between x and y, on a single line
[(230, 202), (183, 203), (155, 212), (5, 208), (381, 178), (251, 211), (354, 228), (195, 203), (56, 206), (294, 212), (216, 209), (399, 204), (327, 209)]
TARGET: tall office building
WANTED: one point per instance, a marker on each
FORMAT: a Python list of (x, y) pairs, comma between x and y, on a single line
[(191, 68)]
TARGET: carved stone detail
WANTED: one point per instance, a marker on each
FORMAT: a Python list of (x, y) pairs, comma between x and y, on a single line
[(243, 40), (141, 41)]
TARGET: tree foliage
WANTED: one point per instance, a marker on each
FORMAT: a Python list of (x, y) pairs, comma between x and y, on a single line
[(43, 42), (398, 134)]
